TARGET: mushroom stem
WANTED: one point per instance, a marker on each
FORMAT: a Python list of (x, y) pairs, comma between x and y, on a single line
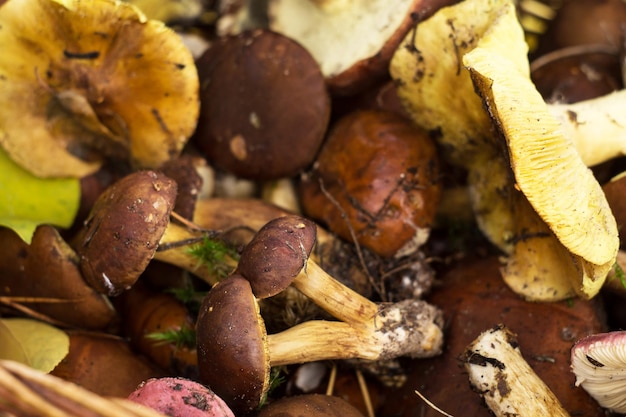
[(174, 248), (407, 328), (597, 127), (504, 379), (334, 297)]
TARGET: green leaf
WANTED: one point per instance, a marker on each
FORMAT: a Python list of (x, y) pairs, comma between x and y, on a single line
[(33, 343), (28, 201)]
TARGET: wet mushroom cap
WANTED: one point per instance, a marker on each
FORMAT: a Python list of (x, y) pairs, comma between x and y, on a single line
[(380, 177), (233, 359), (310, 405), (123, 230), (277, 254), (265, 108), (598, 361)]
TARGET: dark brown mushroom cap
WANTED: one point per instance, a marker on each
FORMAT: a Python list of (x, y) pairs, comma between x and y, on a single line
[(48, 268), (123, 230), (264, 105), (277, 254), (233, 357), (310, 405), (382, 172)]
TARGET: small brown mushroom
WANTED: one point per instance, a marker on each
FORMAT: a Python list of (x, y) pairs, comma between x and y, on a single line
[(310, 405), (235, 353), (265, 107), (46, 273), (127, 226), (376, 179)]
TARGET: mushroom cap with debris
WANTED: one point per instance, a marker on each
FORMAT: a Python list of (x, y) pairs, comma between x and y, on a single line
[(84, 81)]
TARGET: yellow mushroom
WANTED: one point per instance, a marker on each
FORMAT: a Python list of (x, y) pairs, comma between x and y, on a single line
[(560, 239), (81, 81)]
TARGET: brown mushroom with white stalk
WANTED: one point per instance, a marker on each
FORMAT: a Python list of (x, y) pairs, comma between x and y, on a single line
[(84, 82), (598, 361), (277, 257), (128, 226), (531, 192)]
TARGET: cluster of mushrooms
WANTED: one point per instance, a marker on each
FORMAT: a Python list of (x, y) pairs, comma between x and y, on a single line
[(301, 170)]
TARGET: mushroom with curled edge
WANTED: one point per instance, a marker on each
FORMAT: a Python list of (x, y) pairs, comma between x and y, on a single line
[(128, 226), (599, 363), (97, 80), (560, 240), (352, 41), (235, 353)]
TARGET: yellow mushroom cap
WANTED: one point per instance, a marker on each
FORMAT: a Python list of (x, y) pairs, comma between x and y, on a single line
[(548, 170), (81, 81)]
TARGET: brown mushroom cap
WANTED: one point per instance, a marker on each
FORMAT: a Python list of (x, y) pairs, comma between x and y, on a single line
[(48, 268), (382, 173), (123, 230), (277, 254), (233, 357), (310, 405), (265, 108)]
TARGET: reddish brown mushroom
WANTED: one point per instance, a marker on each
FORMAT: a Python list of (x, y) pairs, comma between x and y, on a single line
[(265, 108), (377, 179)]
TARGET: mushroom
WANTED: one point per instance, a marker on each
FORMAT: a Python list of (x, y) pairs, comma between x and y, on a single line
[(96, 80), (47, 275), (352, 41), (180, 397), (128, 226), (254, 122), (376, 180), (598, 363), (560, 240), (310, 405), (235, 353), (500, 374)]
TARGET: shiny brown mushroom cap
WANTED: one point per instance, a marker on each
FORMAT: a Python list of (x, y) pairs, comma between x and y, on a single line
[(123, 230), (310, 405), (233, 357), (265, 108), (277, 254)]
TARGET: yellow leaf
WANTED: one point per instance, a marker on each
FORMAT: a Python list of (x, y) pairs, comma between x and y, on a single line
[(34, 343)]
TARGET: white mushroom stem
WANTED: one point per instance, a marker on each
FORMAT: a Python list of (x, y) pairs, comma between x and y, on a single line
[(597, 127), (407, 328), (599, 363), (504, 379)]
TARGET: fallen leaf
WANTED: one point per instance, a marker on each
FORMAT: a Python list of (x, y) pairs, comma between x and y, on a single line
[(29, 201), (34, 343)]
